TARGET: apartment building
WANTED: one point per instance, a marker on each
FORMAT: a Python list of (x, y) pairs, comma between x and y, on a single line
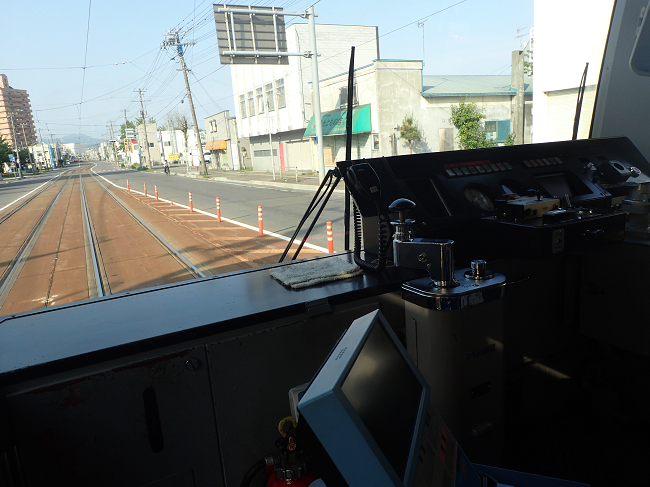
[(14, 104)]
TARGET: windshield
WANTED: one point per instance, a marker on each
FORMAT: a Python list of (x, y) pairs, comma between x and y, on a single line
[(149, 157)]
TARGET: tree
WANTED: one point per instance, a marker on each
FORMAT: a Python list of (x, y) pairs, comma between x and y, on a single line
[(510, 139), (184, 126), (5, 150), (467, 117), (528, 60), (410, 131)]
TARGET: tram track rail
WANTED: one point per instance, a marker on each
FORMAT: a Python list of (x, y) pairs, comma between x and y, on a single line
[(79, 256), (182, 260), (12, 270), (97, 280)]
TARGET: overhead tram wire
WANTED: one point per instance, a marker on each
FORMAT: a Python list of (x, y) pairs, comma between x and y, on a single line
[(83, 81), (344, 52)]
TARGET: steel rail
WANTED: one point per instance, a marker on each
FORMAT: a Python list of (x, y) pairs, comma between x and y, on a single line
[(175, 253), (12, 271), (102, 286), (47, 185)]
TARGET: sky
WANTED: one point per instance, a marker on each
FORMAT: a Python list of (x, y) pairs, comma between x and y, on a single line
[(119, 44)]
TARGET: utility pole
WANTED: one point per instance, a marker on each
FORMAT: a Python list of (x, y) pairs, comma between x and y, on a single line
[(31, 159), (172, 39), (315, 86), (55, 154), (40, 135), (113, 139), (13, 132), (126, 126), (268, 122), (144, 122)]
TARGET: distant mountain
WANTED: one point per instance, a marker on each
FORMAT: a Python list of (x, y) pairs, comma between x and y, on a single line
[(80, 139)]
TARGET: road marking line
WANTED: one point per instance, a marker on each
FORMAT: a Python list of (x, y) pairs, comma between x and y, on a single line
[(234, 222), (27, 194)]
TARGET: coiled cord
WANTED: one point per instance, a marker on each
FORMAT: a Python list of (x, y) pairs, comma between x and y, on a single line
[(382, 233)]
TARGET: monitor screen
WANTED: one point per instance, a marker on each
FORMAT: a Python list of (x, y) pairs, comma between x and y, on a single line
[(381, 385), (365, 409)]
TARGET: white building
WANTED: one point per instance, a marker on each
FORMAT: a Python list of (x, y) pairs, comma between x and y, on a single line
[(567, 36), (277, 98), (174, 146)]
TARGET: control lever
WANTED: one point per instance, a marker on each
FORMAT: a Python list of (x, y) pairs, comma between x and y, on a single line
[(434, 255), (403, 232)]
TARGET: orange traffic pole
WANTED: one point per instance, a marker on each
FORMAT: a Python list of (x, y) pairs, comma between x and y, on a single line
[(128, 188), (156, 188), (145, 190), (191, 207), (218, 210), (259, 219), (330, 238)]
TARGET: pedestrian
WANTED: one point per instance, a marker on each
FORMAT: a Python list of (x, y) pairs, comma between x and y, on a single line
[(166, 167)]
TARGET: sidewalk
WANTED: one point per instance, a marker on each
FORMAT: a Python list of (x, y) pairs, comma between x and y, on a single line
[(286, 179)]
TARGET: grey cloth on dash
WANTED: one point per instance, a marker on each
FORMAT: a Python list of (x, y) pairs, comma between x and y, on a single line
[(305, 274)]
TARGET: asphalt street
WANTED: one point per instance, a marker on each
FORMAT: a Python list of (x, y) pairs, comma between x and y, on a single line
[(283, 207)]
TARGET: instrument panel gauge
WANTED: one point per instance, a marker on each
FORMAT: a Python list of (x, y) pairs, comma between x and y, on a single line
[(479, 198)]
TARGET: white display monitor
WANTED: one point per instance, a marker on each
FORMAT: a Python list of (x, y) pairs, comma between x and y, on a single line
[(366, 406)]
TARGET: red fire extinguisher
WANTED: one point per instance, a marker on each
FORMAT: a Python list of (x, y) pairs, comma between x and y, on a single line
[(288, 468)]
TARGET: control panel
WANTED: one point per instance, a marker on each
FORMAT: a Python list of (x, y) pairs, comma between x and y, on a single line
[(522, 191)]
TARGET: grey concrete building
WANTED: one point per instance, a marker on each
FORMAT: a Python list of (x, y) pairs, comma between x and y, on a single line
[(386, 91), (221, 141)]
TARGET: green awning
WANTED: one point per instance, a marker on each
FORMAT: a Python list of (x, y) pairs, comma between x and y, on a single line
[(334, 122)]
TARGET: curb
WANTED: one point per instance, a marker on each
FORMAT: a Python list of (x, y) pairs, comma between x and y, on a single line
[(274, 184)]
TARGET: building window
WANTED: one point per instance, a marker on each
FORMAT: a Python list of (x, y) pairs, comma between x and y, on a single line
[(242, 105), (265, 153), (269, 97), (279, 93), (167, 143), (375, 141), (343, 96), (497, 130), (251, 103), (259, 96), (151, 144)]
